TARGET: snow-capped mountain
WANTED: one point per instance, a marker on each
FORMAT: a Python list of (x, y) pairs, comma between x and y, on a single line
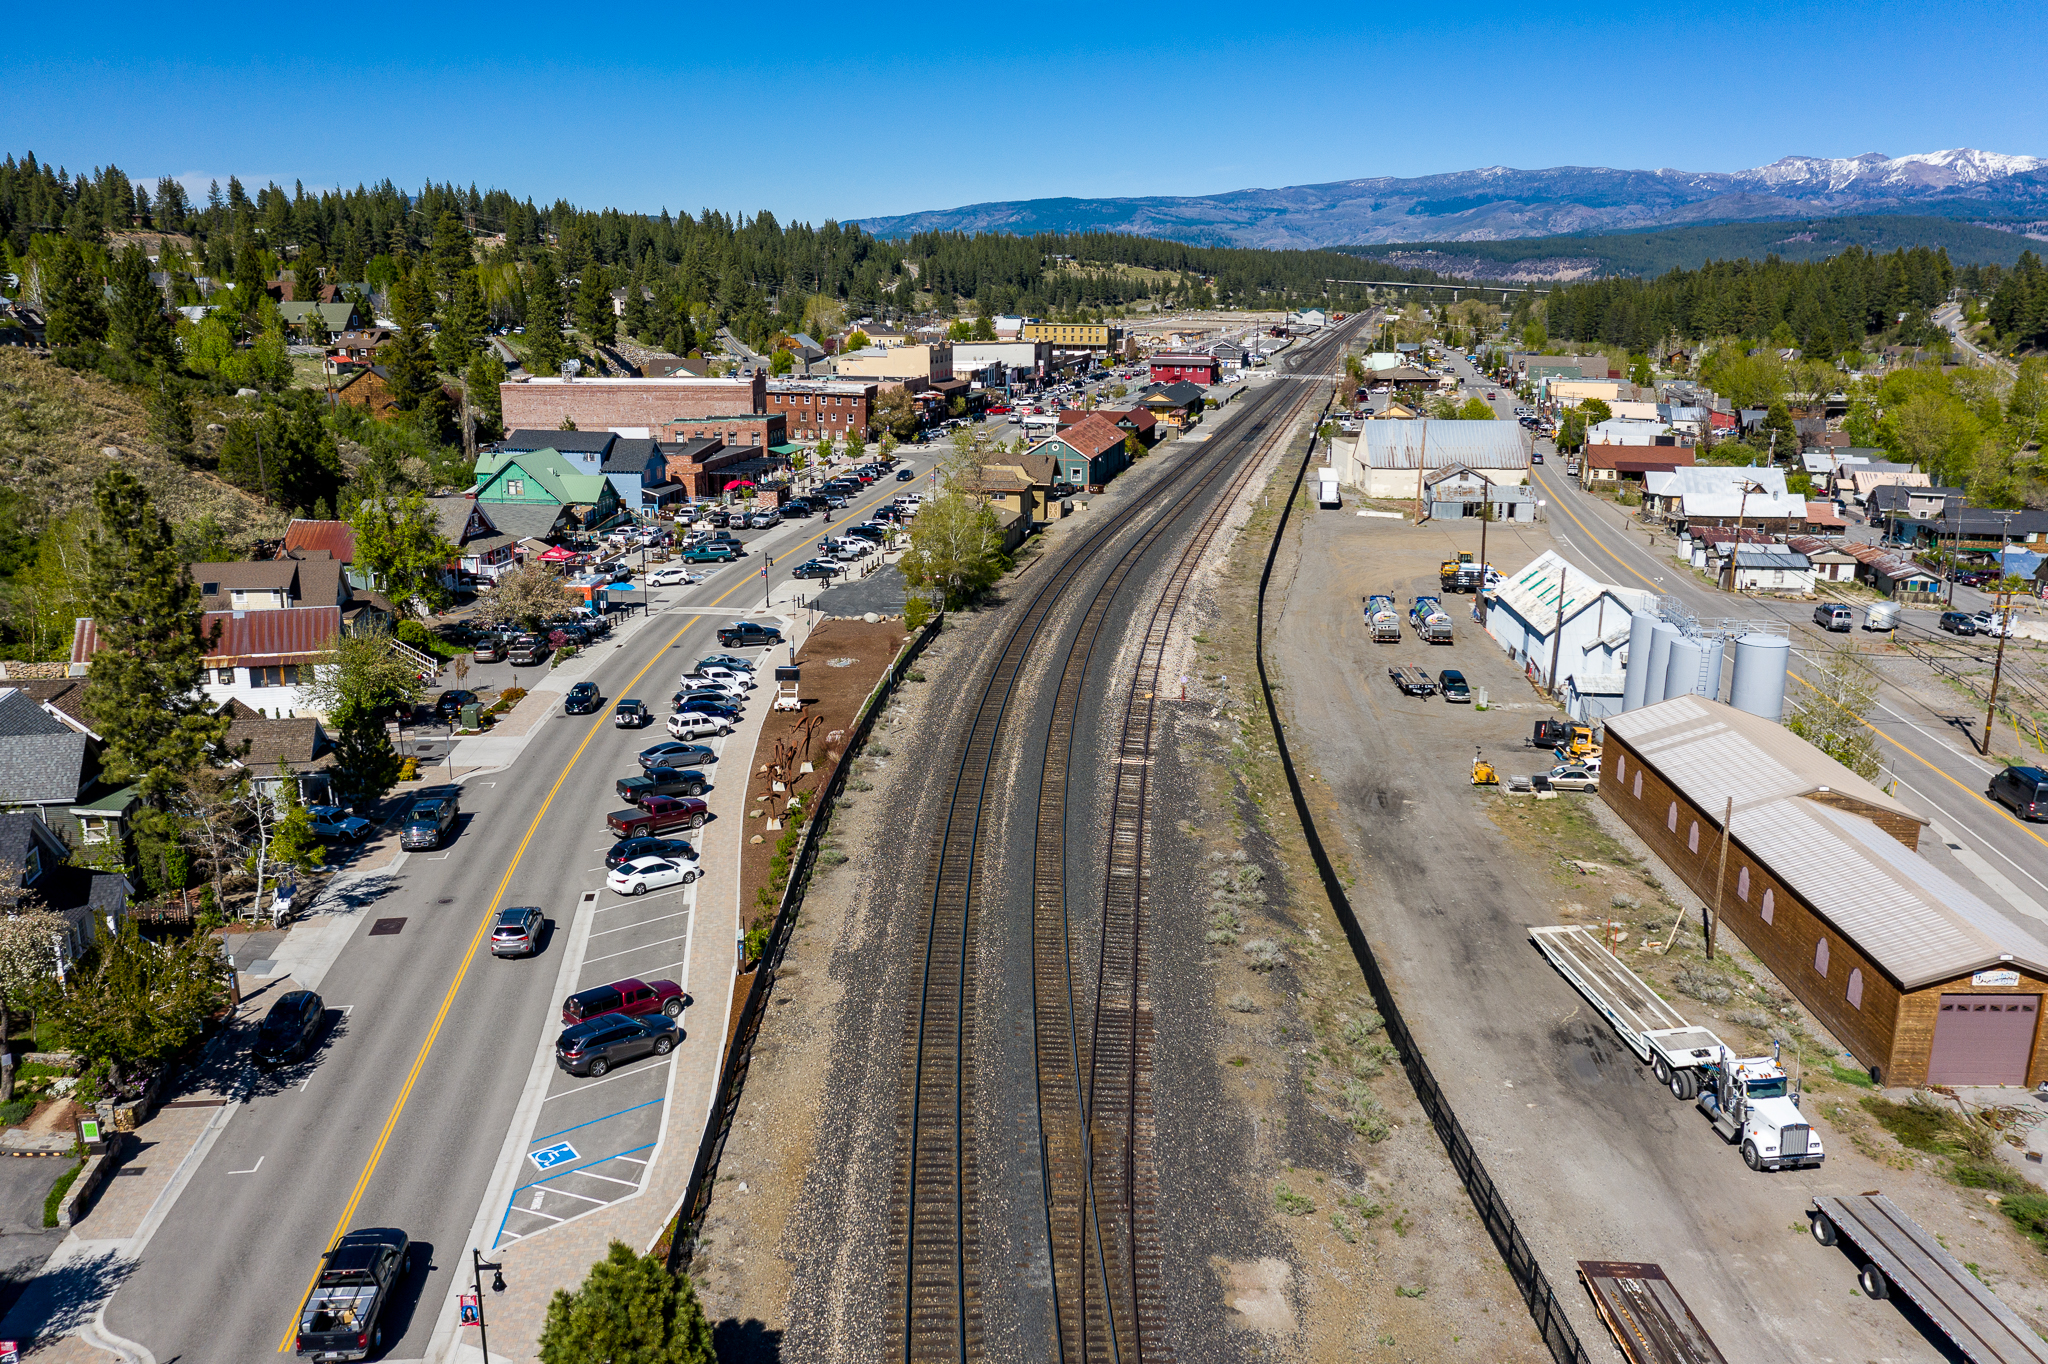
[(1495, 202)]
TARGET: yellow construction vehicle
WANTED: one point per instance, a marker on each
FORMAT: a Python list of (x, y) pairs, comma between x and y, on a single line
[(1482, 770)]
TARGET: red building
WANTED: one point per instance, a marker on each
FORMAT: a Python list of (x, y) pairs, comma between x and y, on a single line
[(1173, 367)]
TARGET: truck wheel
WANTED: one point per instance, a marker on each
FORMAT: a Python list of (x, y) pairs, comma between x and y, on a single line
[(1750, 1156), (1823, 1228), (1677, 1083), (1661, 1068), (697, 823), (1871, 1280), (674, 1008)]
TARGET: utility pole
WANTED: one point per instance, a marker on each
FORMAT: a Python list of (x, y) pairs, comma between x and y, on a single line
[(1485, 515), (1998, 664), (1557, 631), (1749, 485), (1720, 876)]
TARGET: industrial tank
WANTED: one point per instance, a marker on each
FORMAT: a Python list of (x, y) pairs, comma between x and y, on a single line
[(1662, 636), (1682, 668), (1710, 676), (1640, 627), (1759, 683)]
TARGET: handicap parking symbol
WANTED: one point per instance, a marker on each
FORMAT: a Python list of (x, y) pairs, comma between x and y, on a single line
[(548, 1157)]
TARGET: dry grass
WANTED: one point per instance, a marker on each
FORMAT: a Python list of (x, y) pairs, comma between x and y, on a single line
[(54, 424)]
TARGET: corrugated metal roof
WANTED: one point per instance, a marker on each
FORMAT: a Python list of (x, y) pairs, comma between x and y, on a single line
[(336, 537), (1711, 751), (1533, 592), (1438, 444), (294, 633)]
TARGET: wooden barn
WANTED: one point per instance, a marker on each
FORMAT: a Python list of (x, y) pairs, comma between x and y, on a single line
[(1923, 982)]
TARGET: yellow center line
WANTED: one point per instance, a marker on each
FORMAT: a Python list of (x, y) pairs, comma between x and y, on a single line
[(476, 939), (1975, 795)]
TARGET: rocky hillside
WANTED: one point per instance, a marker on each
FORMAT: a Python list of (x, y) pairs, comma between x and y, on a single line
[(59, 429)]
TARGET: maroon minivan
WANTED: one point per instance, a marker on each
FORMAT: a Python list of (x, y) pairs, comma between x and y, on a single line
[(624, 997)]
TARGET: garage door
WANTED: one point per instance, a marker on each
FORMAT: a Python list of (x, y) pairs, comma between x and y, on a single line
[(1983, 1039)]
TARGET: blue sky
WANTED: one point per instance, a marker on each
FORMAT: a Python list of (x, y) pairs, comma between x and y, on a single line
[(846, 111)]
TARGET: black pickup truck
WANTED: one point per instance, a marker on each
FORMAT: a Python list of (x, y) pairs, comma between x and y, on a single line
[(430, 822), (662, 781), (339, 1320)]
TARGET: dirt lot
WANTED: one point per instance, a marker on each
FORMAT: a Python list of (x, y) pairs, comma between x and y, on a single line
[(1597, 1161)]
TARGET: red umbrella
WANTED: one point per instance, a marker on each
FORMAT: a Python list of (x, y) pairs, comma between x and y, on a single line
[(557, 555), (742, 483)]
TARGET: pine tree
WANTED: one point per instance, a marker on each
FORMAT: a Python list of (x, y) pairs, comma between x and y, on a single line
[(137, 325), (486, 371), (629, 1307), (170, 420), (145, 695), (409, 362), (594, 315), (635, 318), (462, 324), (71, 297), (450, 252), (545, 349)]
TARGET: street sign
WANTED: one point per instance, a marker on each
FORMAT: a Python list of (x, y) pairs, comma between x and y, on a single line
[(548, 1157), (472, 1309)]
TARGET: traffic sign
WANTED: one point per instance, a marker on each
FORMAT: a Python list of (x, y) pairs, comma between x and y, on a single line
[(548, 1157)]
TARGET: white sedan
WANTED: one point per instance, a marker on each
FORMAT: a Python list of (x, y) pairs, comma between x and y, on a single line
[(674, 576), (643, 874)]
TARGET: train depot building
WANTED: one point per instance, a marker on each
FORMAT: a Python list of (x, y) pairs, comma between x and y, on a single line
[(1921, 980)]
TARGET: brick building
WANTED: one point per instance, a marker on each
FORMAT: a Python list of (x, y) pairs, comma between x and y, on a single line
[(631, 407), (1921, 980), (1170, 367), (812, 408)]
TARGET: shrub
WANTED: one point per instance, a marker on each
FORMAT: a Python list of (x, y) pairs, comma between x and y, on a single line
[(917, 613), (58, 1190), (15, 1111), (1243, 1004), (409, 769), (1357, 1030), (1263, 954), (2029, 1212), (414, 634), (1710, 987), (1292, 1203), (564, 654)]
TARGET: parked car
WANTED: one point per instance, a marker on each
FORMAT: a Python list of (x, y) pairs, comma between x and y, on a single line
[(2023, 790), (632, 849), (675, 575), (1451, 685), (733, 661), (675, 753), (593, 1048), (658, 815), (661, 781), (733, 690), (1959, 622), (716, 552), (648, 873), (429, 823), (582, 699), (691, 725), (488, 649), (527, 650), (448, 705), (743, 678), (1834, 617), (1574, 777), (517, 931), (815, 568), (631, 714), (338, 823), (742, 634), (698, 703), (632, 997), (764, 520), (289, 1030)]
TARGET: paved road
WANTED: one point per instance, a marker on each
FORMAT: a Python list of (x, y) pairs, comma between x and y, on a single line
[(399, 1116), (1928, 749), (1950, 317)]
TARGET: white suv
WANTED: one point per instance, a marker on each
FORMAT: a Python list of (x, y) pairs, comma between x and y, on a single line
[(690, 725)]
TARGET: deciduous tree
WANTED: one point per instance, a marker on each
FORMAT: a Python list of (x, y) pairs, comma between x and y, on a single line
[(955, 548), (526, 595), (397, 540), (130, 1005)]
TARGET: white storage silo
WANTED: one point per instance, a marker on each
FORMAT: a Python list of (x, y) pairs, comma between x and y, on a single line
[(1682, 668), (1759, 682), (1710, 675), (1662, 636), (1640, 627)]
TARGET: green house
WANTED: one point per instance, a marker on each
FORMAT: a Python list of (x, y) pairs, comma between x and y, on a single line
[(544, 478)]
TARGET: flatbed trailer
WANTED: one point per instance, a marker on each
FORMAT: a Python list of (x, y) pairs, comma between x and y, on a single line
[(1900, 1257), (1650, 1321), (1654, 1030), (1413, 681)]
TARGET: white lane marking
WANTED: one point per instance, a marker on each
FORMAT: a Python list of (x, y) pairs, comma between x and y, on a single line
[(679, 914), (251, 1170), (628, 901), (536, 1212), (615, 1075), (629, 1183), (592, 961), (634, 1159), (564, 1193)]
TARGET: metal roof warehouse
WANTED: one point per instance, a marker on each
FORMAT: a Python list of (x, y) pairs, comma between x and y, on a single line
[(1920, 979)]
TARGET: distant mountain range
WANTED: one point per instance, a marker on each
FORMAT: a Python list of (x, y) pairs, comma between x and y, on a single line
[(1498, 203)]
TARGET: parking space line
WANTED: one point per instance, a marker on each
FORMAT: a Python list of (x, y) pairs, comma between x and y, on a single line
[(587, 1165), (629, 1183), (615, 1075), (630, 1159), (628, 901), (606, 1118), (680, 914), (536, 1212), (564, 1193), (589, 961)]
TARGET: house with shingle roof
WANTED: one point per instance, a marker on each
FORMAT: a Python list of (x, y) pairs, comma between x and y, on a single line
[(35, 858), (262, 745), (1087, 454), (545, 479)]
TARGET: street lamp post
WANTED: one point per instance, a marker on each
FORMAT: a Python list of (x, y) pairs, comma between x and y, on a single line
[(478, 1264)]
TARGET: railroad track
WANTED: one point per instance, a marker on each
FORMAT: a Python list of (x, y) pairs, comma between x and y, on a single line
[(1093, 1082)]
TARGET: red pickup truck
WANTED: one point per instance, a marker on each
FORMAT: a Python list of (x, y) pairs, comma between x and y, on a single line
[(658, 815)]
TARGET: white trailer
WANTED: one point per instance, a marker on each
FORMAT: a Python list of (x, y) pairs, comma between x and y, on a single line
[(1749, 1100), (1326, 489)]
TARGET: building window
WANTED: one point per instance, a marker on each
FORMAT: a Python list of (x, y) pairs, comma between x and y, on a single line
[(33, 869), (1639, 783), (1692, 838), (515, 487), (1770, 904), (225, 677), (1671, 818), (1820, 958), (1742, 885), (1856, 987)]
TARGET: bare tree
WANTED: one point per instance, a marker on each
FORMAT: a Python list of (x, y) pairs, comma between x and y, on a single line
[(527, 595), (33, 942), (1829, 715)]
